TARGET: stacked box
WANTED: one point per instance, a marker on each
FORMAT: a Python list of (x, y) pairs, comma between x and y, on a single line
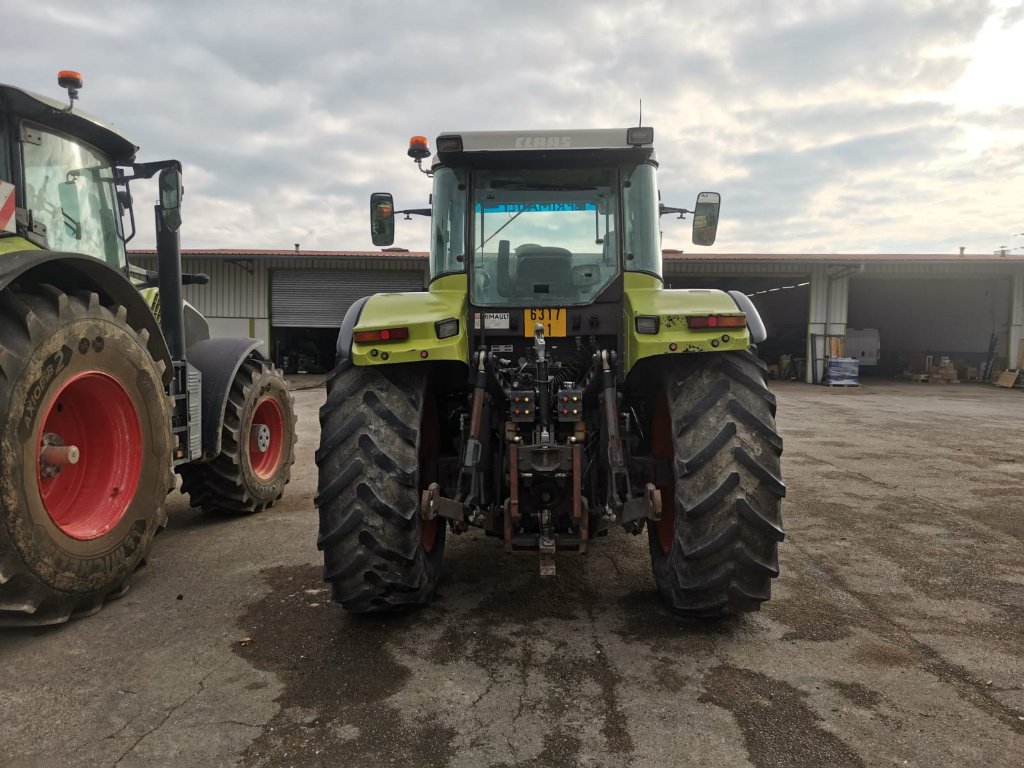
[(842, 371), (945, 372)]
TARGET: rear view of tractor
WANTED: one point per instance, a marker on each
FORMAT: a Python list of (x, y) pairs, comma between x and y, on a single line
[(109, 382), (548, 388)]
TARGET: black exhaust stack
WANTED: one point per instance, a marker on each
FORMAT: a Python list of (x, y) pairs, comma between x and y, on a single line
[(168, 252)]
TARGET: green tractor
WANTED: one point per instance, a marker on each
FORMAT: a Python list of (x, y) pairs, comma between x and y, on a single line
[(109, 381), (548, 388)]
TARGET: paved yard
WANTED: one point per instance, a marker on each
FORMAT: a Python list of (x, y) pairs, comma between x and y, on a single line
[(895, 637)]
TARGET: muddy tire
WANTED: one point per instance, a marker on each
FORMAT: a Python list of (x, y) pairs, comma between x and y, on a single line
[(257, 446), (74, 372), (714, 551), (377, 427)]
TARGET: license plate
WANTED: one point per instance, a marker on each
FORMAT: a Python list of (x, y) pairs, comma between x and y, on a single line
[(553, 319)]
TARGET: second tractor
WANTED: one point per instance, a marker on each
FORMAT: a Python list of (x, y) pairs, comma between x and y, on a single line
[(109, 381), (547, 387)]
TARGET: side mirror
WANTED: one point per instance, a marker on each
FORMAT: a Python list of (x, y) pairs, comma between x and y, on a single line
[(70, 208), (382, 218), (705, 218), (170, 198)]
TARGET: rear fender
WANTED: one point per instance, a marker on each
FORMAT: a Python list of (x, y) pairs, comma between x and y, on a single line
[(72, 273), (671, 307), (419, 313), (218, 360), (344, 349)]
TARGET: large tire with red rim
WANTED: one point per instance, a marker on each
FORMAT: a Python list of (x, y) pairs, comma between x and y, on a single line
[(379, 427), (257, 446), (715, 549), (85, 453)]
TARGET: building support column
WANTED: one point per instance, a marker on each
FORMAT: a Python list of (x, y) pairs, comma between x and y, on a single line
[(829, 302), (1016, 334)]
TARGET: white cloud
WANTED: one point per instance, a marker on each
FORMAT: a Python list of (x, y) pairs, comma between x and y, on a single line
[(850, 125)]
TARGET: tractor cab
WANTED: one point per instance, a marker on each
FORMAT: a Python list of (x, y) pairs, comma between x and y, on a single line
[(58, 171), (541, 218)]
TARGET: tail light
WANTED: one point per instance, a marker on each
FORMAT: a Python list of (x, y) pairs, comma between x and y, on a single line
[(703, 322), (381, 336)]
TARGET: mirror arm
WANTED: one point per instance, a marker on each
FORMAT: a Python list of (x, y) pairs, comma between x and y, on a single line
[(663, 209), (414, 211), (149, 170)]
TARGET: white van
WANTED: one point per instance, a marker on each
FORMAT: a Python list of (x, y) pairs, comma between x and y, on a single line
[(863, 344)]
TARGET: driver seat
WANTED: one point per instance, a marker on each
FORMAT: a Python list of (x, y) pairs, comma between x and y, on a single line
[(543, 270)]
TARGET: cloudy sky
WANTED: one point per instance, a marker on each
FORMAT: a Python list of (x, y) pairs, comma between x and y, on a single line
[(828, 126)]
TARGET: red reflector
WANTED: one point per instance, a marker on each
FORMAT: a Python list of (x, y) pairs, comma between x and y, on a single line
[(382, 335), (716, 321)]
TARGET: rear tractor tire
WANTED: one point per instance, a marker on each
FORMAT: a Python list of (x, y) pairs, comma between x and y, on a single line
[(85, 453), (378, 428), (714, 550), (257, 446)]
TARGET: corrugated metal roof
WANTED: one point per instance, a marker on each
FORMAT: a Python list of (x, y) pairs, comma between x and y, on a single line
[(669, 255), (276, 254), (673, 255)]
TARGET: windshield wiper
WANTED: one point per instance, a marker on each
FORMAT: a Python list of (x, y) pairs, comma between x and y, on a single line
[(516, 216)]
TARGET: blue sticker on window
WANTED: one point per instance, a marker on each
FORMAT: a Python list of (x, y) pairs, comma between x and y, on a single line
[(537, 207)]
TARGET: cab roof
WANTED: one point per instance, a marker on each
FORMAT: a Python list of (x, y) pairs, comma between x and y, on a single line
[(544, 147), (50, 113)]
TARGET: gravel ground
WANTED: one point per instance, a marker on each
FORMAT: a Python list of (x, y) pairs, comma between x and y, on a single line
[(893, 638)]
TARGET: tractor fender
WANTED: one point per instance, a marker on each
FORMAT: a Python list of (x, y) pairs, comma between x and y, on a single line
[(73, 272), (218, 360), (758, 332), (344, 346), (418, 313)]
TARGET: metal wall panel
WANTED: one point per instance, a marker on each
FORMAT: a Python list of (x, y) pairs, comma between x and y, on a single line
[(870, 268), (239, 287), (320, 298)]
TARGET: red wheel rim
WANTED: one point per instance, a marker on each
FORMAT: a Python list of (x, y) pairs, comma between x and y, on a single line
[(94, 413), (266, 438), (662, 448), (430, 448)]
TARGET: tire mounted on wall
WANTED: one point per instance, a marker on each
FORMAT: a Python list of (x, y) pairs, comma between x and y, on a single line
[(378, 426), (71, 534), (715, 549)]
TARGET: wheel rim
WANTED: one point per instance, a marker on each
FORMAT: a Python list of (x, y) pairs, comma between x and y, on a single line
[(430, 448), (663, 448), (96, 415), (266, 438)]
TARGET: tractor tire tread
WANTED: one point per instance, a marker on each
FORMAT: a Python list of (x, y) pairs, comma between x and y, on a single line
[(28, 315), (220, 487), (723, 554), (368, 497)]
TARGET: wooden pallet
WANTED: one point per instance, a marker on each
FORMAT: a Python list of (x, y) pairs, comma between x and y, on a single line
[(1007, 378), (920, 378), (839, 384)]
